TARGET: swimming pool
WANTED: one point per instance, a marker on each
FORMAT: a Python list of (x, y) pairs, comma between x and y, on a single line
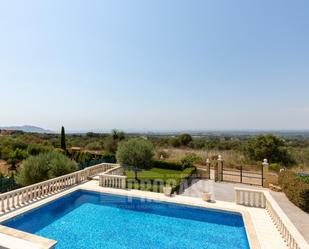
[(85, 219)]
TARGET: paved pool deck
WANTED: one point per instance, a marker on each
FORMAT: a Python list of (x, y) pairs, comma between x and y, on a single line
[(224, 191)]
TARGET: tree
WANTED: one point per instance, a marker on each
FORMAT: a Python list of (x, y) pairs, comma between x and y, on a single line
[(82, 157), (110, 145), (94, 146), (16, 156), (118, 135), (269, 147), (63, 142), (136, 154), (111, 142), (35, 149), (185, 139), (190, 159), (43, 167), (60, 165), (175, 142)]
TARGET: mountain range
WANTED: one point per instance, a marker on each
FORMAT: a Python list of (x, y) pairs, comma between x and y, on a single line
[(26, 128)]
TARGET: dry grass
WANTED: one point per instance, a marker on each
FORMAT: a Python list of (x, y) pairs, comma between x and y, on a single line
[(4, 167), (273, 178), (175, 154), (232, 159)]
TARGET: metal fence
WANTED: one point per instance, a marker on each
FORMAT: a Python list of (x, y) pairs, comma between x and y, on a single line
[(217, 171), (243, 176)]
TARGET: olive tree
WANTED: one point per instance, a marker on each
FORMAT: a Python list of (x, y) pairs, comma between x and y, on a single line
[(43, 167), (135, 153)]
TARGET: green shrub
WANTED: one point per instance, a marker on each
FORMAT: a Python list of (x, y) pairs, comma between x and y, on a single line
[(295, 189), (35, 149), (7, 183), (275, 167), (61, 151), (190, 159), (305, 178), (17, 156), (60, 165), (186, 176), (82, 157), (109, 157), (43, 167), (197, 144), (269, 147), (175, 142)]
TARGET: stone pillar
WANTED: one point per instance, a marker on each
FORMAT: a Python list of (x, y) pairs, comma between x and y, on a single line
[(265, 173), (220, 168), (208, 167), (216, 176)]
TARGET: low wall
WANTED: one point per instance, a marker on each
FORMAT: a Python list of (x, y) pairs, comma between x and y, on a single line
[(23, 196), (113, 178), (263, 199)]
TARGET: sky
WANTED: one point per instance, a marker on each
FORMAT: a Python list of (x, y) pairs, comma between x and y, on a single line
[(155, 64)]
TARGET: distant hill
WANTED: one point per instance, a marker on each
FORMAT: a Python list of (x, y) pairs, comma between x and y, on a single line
[(26, 128)]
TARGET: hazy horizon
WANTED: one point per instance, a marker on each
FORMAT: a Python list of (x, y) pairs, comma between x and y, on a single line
[(155, 65), (167, 131)]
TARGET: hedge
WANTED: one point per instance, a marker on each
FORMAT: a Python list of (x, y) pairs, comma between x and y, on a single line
[(295, 188), (186, 180), (7, 184), (167, 165)]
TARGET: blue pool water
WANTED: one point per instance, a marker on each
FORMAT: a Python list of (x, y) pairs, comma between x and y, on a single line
[(86, 219)]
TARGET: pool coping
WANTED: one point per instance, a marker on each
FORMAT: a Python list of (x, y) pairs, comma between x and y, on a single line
[(39, 241), (45, 243)]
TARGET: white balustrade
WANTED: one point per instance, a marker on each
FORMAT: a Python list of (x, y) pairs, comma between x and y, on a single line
[(23, 196), (263, 199), (113, 178), (250, 197), (288, 231)]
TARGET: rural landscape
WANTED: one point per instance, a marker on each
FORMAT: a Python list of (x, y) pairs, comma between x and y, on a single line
[(28, 158), (154, 124)]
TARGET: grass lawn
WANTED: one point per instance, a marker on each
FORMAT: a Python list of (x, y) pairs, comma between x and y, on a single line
[(155, 178)]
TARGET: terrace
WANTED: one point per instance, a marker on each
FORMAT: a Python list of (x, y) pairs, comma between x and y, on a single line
[(265, 223)]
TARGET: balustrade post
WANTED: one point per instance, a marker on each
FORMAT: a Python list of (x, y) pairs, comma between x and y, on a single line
[(237, 195), (77, 179), (2, 205)]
